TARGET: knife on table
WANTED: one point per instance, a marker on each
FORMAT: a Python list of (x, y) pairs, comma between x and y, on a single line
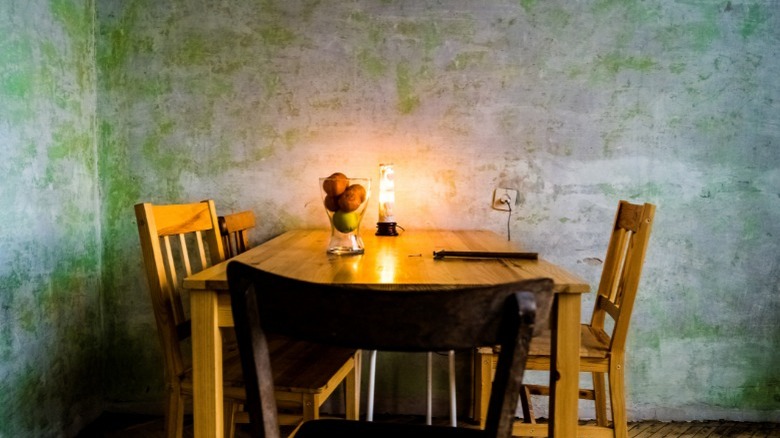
[(438, 255)]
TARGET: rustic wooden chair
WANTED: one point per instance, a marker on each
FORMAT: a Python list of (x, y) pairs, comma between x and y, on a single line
[(379, 318), (602, 349), (179, 240), (235, 228)]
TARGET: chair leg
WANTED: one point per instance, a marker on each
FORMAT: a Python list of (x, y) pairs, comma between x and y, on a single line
[(600, 399), (525, 402), (230, 409), (429, 390), (453, 395), (311, 407), (371, 383), (617, 398), (174, 414), (483, 362), (352, 391)]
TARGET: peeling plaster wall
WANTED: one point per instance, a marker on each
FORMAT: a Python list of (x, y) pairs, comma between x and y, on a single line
[(575, 104), (50, 319)]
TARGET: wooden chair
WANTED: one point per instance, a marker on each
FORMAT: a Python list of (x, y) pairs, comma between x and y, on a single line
[(367, 317), (602, 346), (179, 240), (234, 229)]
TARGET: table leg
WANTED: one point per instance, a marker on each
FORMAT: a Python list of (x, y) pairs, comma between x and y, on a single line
[(564, 400), (206, 365)]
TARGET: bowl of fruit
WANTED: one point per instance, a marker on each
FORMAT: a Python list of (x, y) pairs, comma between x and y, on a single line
[(345, 201)]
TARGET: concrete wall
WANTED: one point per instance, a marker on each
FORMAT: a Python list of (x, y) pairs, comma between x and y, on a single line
[(50, 315), (575, 104)]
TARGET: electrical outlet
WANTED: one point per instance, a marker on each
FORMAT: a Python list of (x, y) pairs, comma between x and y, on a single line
[(504, 199)]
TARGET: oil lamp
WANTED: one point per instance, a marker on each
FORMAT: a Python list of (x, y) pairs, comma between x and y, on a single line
[(386, 224)]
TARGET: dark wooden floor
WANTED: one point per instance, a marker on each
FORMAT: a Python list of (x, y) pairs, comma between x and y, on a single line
[(137, 426), (709, 429)]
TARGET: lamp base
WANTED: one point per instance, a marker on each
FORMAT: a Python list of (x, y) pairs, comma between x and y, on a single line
[(386, 229)]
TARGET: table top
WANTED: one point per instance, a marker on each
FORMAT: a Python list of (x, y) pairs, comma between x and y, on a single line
[(405, 261)]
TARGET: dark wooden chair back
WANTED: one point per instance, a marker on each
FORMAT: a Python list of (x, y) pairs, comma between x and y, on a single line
[(379, 318)]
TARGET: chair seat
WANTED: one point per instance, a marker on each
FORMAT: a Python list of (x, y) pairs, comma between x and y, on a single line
[(298, 367), (594, 343), (306, 367), (376, 429)]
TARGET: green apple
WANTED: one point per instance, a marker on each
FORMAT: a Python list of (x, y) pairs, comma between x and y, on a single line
[(345, 221)]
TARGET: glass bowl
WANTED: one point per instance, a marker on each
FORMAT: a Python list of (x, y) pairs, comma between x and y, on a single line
[(345, 200)]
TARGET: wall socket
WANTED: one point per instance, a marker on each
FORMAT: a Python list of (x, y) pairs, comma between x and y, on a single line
[(502, 197)]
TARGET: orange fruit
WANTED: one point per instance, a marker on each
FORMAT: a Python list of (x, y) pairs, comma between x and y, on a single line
[(361, 191), (352, 197), (331, 203), (335, 184)]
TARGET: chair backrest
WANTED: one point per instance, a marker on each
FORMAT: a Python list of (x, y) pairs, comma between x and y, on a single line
[(622, 270), (177, 241), (234, 229), (380, 318)]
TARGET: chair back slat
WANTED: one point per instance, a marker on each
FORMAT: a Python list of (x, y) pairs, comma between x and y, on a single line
[(381, 318), (622, 269), (185, 256), (170, 291), (181, 218), (607, 306), (619, 266), (164, 231), (202, 251)]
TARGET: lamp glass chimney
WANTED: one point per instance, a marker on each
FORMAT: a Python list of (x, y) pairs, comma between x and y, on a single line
[(386, 193)]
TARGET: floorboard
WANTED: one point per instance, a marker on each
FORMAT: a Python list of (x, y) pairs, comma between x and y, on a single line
[(121, 425)]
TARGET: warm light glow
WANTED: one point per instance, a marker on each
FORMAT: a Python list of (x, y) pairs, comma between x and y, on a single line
[(386, 268), (386, 193)]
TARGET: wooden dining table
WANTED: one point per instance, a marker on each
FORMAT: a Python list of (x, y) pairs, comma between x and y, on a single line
[(404, 261)]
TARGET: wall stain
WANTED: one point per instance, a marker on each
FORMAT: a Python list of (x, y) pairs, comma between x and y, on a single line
[(372, 64), (465, 60), (756, 16), (408, 100), (527, 5)]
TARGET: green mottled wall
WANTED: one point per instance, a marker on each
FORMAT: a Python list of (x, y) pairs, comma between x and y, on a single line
[(575, 104), (50, 314)]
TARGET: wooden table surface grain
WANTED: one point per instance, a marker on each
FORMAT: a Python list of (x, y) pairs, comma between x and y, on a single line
[(405, 261)]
